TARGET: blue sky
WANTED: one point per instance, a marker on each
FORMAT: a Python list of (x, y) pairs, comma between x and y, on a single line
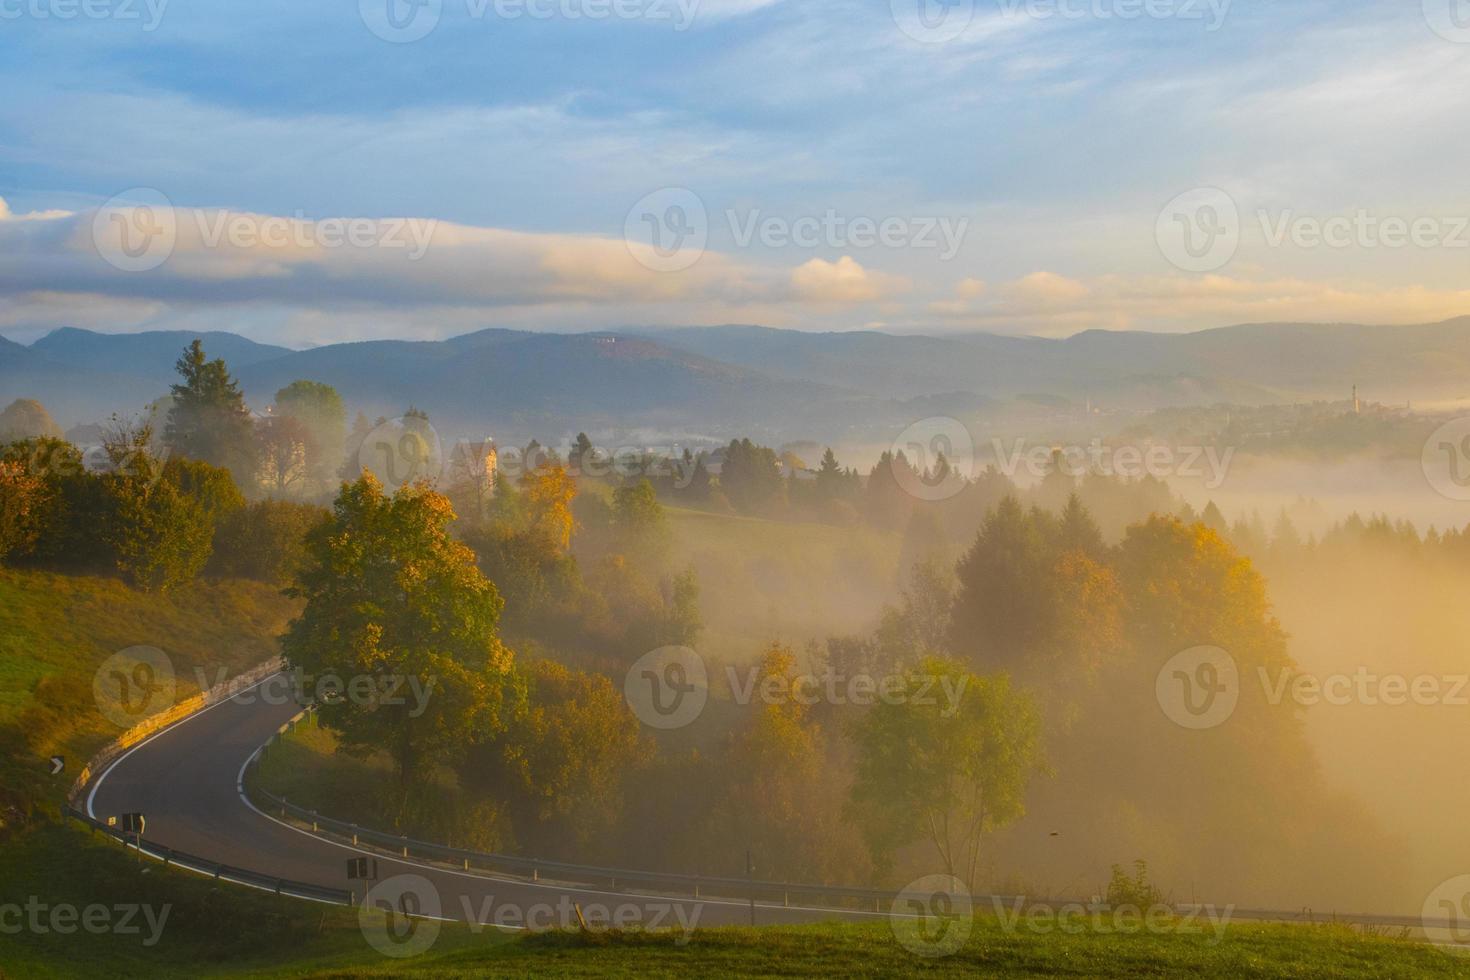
[(1048, 136)]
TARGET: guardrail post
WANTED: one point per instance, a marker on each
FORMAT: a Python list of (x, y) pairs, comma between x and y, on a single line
[(535, 872), (278, 886)]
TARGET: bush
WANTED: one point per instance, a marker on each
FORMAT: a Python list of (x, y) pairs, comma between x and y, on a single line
[(1135, 890), (265, 541)]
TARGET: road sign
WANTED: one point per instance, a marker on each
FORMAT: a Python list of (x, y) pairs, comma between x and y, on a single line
[(57, 764), (132, 823), (362, 869)]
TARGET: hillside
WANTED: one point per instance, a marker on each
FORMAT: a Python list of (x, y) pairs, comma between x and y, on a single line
[(56, 631)]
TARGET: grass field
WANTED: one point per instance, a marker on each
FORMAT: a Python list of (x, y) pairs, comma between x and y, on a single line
[(766, 580), (222, 930)]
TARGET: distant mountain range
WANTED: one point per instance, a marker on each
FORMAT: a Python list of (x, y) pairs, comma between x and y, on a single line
[(780, 384)]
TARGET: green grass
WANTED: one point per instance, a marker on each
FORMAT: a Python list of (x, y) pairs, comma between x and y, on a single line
[(211, 929), (871, 951), (223, 930)]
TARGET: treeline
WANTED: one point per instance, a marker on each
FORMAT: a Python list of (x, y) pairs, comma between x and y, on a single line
[(1281, 542)]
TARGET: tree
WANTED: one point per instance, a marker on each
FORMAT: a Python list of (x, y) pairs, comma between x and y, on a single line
[(71, 508), (390, 596), (948, 778), (285, 452), (470, 479), (1000, 611), (159, 534), (208, 419), (265, 541), (22, 505), (210, 486), (26, 418), (774, 778), (560, 763), (319, 408), (639, 525), (887, 503), (750, 476), (547, 492)]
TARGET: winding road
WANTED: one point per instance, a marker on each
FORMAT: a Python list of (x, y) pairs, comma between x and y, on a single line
[(186, 782)]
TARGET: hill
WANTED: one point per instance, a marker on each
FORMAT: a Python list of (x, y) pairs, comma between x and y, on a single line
[(655, 385)]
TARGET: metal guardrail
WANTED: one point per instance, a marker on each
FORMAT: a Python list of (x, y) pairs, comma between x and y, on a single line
[(534, 869), (160, 721), (704, 886), (224, 872)]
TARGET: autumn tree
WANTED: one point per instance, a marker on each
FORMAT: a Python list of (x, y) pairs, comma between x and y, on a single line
[(560, 763), (26, 418), (285, 449), (547, 492), (22, 506), (159, 534), (391, 596)]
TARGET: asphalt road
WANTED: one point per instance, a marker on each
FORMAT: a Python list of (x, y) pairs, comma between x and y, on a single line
[(185, 781)]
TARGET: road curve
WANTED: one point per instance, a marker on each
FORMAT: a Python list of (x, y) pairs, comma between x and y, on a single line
[(185, 781)]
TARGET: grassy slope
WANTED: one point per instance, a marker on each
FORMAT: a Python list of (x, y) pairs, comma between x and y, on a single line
[(763, 580), (61, 625)]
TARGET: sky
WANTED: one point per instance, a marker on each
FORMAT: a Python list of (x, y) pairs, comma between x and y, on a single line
[(307, 173)]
